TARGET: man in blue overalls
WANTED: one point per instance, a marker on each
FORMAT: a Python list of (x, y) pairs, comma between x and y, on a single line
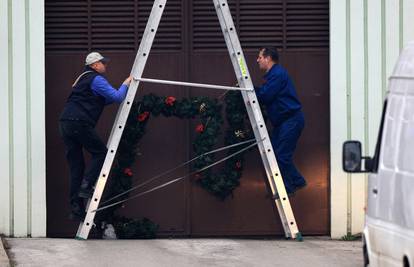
[(284, 110), (91, 92)]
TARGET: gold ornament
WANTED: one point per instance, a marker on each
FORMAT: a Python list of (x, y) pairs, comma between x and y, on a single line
[(239, 133), (202, 107)]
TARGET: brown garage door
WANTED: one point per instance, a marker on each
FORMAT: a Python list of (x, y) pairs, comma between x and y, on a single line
[(189, 47)]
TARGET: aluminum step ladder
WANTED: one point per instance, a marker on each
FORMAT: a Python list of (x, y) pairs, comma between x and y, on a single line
[(253, 109)]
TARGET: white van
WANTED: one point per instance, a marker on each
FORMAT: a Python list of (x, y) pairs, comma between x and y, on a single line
[(389, 223)]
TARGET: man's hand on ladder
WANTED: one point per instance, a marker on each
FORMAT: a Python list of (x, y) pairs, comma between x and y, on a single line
[(128, 80)]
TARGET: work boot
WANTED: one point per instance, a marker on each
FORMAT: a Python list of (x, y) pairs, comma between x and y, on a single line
[(77, 210), (85, 190)]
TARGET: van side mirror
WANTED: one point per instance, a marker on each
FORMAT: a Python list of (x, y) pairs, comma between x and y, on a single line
[(352, 158)]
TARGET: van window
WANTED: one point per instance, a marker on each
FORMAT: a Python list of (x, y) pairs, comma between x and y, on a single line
[(391, 122), (406, 144), (378, 145)]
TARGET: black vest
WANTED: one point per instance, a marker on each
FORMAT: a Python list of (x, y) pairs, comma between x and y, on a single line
[(83, 104)]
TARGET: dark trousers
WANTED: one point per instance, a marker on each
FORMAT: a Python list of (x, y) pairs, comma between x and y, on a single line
[(78, 135), (284, 139)]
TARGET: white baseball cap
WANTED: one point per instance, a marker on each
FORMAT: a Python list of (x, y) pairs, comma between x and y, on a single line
[(95, 57)]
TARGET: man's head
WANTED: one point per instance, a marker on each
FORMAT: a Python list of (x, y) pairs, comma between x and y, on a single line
[(268, 56), (96, 61)]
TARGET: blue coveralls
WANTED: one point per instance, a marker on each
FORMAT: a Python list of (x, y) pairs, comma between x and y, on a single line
[(284, 110)]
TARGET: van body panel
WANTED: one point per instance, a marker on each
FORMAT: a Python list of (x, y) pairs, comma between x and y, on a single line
[(372, 206), (388, 243), (390, 216), (389, 221)]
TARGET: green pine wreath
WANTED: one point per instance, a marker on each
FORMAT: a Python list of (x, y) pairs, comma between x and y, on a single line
[(222, 183), (208, 111)]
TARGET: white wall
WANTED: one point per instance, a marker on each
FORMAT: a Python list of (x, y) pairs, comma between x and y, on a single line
[(22, 118), (366, 38)]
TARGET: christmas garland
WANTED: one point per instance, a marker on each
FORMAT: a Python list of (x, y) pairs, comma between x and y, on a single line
[(208, 111)]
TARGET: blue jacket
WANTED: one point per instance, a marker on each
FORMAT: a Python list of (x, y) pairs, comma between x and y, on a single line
[(279, 96), (100, 86)]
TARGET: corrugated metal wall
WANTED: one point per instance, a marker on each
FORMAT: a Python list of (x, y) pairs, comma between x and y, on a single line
[(22, 118), (366, 39), (103, 25)]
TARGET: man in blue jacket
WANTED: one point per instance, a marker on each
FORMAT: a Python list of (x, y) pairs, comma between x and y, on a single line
[(284, 110), (90, 93)]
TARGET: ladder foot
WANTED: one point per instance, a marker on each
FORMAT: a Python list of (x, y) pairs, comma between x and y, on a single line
[(79, 238), (299, 237)]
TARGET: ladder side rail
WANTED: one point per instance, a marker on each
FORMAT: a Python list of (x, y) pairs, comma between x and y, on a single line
[(237, 57), (259, 136), (253, 108), (287, 216), (142, 54), (251, 102), (122, 115)]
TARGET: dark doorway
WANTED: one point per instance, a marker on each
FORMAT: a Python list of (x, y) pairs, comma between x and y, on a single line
[(189, 47)]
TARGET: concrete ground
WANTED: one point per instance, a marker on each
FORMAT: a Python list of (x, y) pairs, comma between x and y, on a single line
[(184, 252)]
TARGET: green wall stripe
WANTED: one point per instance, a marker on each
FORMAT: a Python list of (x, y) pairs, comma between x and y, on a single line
[(348, 68), (11, 139), (401, 24), (366, 86), (348, 104), (366, 93), (383, 49), (28, 119)]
